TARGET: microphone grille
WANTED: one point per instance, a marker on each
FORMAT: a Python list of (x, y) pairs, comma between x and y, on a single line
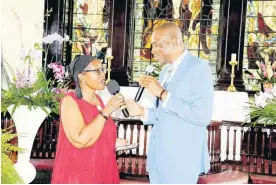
[(113, 87)]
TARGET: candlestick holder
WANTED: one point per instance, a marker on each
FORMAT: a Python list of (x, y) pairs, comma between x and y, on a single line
[(109, 58), (232, 88)]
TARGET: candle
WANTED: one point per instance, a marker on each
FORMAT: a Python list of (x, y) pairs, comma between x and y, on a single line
[(108, 52), (233, 57)]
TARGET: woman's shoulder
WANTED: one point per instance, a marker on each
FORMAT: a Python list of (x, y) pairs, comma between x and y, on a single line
[(70, 95)]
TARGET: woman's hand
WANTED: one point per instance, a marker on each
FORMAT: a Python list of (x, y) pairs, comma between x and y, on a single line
[(114, 103)]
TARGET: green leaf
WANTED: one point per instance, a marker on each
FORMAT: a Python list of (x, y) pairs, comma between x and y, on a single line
[(8, 173)]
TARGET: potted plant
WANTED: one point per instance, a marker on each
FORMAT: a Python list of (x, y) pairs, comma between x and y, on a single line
[(263, 110), (266, 72), (8, 173), (31, 97)]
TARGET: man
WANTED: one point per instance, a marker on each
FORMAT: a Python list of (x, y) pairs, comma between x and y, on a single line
[(178, 150)]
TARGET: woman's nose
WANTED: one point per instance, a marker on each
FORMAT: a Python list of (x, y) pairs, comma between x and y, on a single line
[(103, 74)]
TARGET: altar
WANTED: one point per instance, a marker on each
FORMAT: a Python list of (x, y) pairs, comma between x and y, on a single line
[(228, 106)]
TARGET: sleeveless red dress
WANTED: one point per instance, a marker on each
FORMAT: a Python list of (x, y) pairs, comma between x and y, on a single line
[(93, 165)]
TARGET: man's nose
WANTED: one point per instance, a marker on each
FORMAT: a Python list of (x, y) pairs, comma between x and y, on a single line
[(153, 51)]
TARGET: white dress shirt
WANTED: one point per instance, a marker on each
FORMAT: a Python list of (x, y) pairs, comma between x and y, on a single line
[(172, 68)]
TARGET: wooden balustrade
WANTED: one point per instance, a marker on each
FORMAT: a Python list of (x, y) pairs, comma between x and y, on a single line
[(134, 163), (257, 149), (214, 146), (245, 148)]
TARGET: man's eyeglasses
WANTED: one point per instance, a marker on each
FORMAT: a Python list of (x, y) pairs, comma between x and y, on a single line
[(98, 71)]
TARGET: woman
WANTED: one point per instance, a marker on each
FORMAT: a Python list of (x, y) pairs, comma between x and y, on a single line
[(87, 135)]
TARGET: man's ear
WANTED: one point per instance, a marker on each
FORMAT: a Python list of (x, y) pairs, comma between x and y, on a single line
[(174, 42)]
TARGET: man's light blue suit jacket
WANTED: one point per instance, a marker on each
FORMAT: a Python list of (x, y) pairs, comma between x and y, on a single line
[(178, 143)]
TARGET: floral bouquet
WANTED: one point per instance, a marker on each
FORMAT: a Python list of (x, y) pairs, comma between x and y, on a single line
[(263, 111), (35, 90), (266, 74)]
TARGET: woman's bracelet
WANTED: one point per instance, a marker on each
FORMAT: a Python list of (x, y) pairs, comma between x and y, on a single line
[(104, 116)]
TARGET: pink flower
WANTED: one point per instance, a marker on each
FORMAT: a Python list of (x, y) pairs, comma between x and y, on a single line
[(24, 80), (57, 68), (274, 75), (59, 76), (274, 65), (58, 90), (59, 71), (262, 66)]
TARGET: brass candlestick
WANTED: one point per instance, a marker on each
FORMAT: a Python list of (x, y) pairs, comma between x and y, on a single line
[(109, 58), (232, 88)]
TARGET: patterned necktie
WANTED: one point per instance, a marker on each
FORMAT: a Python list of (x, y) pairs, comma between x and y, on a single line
[(166, 83)]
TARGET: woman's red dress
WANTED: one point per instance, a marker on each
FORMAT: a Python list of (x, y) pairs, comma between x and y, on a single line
[(93, 165)]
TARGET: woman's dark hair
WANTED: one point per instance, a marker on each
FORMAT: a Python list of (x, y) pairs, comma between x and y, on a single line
[(77, 66)]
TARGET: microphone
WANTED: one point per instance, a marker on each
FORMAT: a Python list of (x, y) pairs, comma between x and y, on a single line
[(114, 88), (140, 91)]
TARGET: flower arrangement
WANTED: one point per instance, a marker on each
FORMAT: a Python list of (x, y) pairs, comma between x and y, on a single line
[(266, 73), (263, 111), (34, 89)]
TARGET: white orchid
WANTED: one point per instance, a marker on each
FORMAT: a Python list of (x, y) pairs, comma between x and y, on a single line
[(36, 55), (23, 53), (268, 96), (255, 74), (49, 39), (66, 38), (265, 97), (260, 101), (258, 64), (274, 90)]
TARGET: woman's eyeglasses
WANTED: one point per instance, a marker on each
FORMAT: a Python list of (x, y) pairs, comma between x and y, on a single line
[(98, 71)]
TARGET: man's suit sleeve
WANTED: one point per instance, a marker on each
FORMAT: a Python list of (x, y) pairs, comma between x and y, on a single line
[(198, 109), (150, 116)]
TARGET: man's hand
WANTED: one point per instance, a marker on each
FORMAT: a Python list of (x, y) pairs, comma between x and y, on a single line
[(151, 84), (134, 108)]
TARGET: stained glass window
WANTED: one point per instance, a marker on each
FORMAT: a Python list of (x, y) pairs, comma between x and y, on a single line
[(90, 27), (260, 31), (198, 20)]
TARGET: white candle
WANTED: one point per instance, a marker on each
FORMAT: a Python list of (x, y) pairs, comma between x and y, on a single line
[(233, 57), (108, 52)]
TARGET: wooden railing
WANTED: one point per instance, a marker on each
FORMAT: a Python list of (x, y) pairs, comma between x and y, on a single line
[(231, 146), (256, 151)]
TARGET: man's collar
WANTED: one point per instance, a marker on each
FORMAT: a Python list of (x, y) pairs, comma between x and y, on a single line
[(177, 61), (180, 58)]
